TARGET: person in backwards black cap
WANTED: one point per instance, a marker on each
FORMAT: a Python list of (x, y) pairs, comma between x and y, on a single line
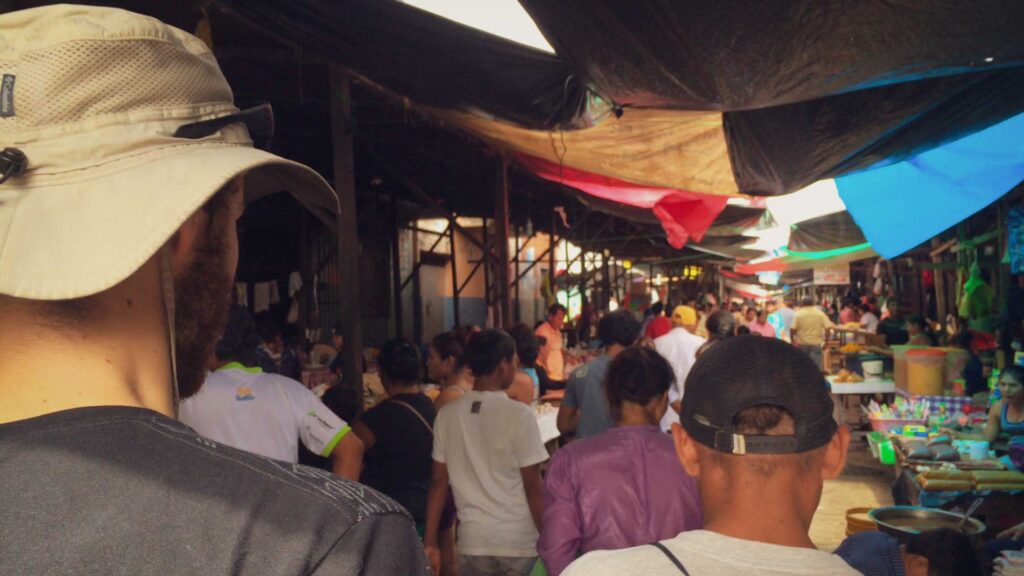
[(758, 434)]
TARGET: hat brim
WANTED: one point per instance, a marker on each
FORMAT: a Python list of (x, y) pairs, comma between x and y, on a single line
[(83, 235)]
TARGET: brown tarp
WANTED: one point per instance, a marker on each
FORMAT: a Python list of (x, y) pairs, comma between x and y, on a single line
[(676, 149)]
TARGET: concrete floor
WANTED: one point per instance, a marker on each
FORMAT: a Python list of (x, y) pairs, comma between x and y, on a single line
[(864, 483)]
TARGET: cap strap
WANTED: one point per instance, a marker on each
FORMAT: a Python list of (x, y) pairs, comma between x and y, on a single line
[(258, 119), (741, 444)]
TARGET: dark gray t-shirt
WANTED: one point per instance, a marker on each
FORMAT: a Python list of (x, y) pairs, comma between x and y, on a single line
[(116, 490), (585, 392)]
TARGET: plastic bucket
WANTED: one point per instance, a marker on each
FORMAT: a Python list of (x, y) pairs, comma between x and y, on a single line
[(873, 369), (925, 371), (899, 358), (956, 359)]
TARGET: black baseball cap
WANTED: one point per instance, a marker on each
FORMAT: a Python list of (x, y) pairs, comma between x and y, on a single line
[(745, 371)]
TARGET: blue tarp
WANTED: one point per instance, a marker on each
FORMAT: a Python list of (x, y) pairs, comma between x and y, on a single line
[(903, 204)]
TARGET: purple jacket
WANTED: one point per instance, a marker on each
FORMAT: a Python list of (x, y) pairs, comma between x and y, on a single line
[(622, 488)]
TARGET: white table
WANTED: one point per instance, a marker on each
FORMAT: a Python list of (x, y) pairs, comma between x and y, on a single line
[(841, 391), (880, 386)]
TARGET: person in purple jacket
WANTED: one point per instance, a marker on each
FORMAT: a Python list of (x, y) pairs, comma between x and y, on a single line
[(624, 487)]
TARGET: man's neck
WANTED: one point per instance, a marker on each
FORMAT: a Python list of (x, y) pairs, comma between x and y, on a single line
[(755, 510), (120, 361), (487, 384), (613, 350), (398, 389)]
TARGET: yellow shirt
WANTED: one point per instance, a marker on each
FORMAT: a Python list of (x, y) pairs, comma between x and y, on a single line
[(809, 326)]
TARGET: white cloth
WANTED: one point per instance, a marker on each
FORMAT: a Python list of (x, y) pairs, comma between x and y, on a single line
[(261, 297), (705, 553), (294, 283), (242, 294), (266, 414), (551, 356), (869, 322), (679, 347), (485, 438)]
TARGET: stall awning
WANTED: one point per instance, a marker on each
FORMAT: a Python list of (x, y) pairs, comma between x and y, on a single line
[(683, 215)]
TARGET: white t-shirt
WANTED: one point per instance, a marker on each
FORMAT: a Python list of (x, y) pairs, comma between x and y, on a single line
[(266, 414), (705, 553), (485, 438), (869, 322), (679, 347)]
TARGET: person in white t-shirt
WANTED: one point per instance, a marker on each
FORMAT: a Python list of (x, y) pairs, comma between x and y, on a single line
[(268, 414), (489, 447), (868, 320), (679, 347), (758, 434)]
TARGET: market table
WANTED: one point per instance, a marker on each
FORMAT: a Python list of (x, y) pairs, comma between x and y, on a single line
[(1000, 509), (841, 391)]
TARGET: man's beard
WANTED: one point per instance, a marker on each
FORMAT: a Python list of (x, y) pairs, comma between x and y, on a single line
[(202, 297)]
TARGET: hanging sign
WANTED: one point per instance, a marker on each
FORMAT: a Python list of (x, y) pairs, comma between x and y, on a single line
[(832, 275)]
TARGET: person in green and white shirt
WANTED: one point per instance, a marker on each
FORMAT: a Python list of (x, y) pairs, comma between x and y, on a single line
[(267, 414)]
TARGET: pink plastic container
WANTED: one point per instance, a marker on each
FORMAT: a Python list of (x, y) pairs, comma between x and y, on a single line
[(883, 425)]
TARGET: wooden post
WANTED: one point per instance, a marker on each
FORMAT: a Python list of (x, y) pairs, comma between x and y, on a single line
[(396, 267), (487, 278), (417, 296), (455, 279), (502, 316), (348, 239)]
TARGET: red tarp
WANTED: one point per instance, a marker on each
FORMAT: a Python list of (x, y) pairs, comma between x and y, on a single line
[(684, 215)]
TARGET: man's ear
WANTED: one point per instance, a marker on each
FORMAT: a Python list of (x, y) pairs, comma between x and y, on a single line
[(686, 450), (182, 244), (835, 454)]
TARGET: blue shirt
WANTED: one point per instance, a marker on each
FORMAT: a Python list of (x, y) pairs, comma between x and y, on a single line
[(585, 392), (873, 554)]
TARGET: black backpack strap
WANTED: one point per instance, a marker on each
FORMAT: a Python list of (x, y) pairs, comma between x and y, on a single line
[(671, 557)]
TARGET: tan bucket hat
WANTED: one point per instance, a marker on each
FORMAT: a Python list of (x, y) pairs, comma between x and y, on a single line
[(114, 129)]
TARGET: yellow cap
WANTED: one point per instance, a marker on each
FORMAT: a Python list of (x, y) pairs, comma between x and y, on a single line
[(684, 316)]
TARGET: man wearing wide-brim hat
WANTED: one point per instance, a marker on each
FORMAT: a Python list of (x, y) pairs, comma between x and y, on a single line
[(124, 166)]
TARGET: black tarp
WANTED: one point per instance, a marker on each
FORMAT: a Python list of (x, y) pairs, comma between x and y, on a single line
[(426, 58), (809, 90), (784, 148), (740, 55), (825, 233)]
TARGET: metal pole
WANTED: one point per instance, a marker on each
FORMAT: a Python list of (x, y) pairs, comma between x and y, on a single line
[(516, 314), (455, 278)]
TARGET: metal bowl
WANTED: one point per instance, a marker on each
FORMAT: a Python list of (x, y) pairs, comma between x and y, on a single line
[(902, 521)]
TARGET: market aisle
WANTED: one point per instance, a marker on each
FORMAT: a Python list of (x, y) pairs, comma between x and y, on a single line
[(864, 483)]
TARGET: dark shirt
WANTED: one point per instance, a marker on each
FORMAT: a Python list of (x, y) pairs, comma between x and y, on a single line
[(894, 332), (400, 461), (118, 490), (872, 554), (266, 362), (291, 365), (974, 375)]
